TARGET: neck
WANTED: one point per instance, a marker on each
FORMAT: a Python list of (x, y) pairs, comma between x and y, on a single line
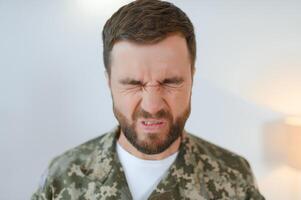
[(173, 148)]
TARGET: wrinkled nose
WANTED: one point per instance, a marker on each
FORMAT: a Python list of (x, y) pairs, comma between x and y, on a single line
[(152, 99)]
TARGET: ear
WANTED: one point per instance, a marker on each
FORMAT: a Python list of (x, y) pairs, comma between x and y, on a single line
[(192, 74), (108, 78), (193, 71)]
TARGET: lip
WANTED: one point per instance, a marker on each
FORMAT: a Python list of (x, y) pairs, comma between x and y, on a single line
[(152, 125)]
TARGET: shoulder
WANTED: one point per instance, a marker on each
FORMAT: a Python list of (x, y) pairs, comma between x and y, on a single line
[(220, 159), (79, 155), (81, 162), (72, 172), (216, 171)]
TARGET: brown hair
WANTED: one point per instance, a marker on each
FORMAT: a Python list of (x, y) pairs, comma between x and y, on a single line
[(147, 21)]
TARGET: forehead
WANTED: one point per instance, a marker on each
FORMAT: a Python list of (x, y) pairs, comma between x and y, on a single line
[(167, 57)]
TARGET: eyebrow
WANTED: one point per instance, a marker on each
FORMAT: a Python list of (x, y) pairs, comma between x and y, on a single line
[(129, 81)]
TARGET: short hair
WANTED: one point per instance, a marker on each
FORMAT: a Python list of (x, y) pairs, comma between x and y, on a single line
[(147, 22)]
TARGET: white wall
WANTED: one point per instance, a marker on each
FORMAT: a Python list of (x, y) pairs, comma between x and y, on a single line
[(54, 95)]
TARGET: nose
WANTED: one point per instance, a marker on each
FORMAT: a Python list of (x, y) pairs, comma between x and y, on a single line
[(152, 99)]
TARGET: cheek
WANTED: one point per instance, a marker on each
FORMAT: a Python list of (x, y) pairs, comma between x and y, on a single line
[(126, 104), (178, 102)]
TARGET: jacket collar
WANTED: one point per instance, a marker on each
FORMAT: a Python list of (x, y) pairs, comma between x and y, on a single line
[(103, 157), (183, 177), (103, 164)]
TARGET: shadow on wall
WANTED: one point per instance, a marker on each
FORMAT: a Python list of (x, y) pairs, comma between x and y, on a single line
[(282, 155)]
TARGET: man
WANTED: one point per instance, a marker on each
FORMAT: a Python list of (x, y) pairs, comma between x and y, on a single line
[(149, 56)]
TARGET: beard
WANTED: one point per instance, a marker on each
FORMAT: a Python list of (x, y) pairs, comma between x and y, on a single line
[(152, 143)]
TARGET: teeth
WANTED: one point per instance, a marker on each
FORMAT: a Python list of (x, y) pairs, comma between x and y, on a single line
[(151, 123)]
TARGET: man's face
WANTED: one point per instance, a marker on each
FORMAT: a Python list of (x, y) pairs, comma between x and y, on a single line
[(151, 90)]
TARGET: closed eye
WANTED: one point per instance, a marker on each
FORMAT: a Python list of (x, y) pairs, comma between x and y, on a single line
[(137, 85), (172, 82), (131, 85)]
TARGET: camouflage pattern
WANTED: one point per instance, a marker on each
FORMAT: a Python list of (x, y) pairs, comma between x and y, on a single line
[(202, 170)]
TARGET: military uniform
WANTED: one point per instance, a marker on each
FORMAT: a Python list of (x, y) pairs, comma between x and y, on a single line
[(201, 171)]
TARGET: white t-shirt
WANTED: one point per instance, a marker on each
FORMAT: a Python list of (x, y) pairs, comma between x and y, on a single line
[(143, 175)]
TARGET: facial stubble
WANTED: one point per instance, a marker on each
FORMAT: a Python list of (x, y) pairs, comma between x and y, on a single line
[(152, 143)]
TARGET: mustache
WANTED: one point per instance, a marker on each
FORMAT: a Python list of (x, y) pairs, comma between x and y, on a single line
[(160, 114)]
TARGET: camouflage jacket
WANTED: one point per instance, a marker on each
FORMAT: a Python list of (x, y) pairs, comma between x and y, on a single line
[(201, 171)]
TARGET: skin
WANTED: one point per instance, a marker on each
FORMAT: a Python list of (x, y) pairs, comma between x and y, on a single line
[(153, 78)]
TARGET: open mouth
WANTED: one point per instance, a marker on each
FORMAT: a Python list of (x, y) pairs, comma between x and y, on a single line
[(150, 123)]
